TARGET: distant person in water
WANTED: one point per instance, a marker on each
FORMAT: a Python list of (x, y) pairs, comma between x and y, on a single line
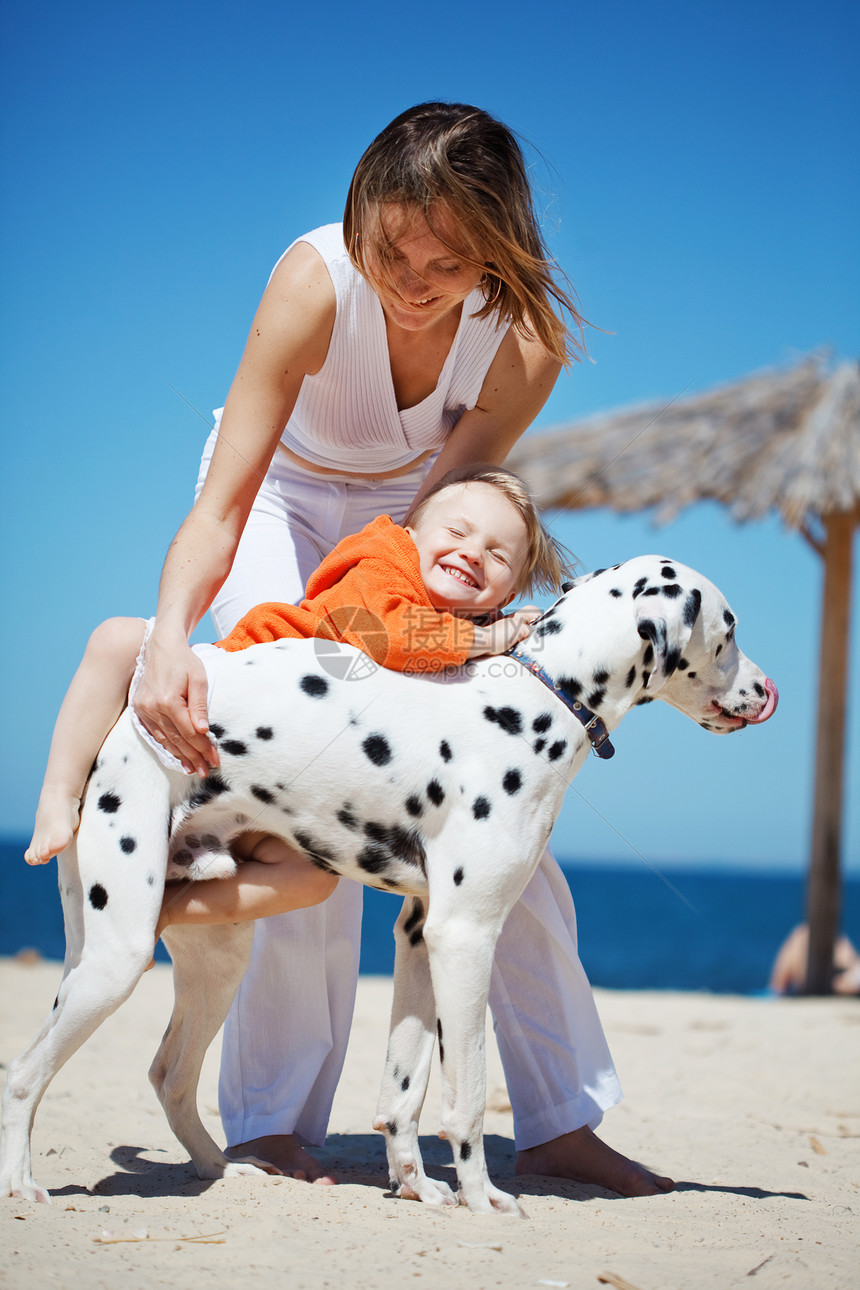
[(788, 975)]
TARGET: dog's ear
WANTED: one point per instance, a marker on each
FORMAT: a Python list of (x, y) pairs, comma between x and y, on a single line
[(667, 623)]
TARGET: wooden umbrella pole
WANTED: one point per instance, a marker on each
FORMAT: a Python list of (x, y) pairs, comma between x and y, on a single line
[(823, 889)]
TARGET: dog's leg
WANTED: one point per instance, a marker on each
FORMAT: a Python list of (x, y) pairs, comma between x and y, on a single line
[(461, 941), (407, 1064), (208, 964), (99, 976)]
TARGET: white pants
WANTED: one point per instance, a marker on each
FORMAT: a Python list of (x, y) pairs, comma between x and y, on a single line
[(286, 1035)]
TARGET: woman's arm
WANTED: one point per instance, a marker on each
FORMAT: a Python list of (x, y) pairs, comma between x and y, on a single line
[(289, 338), (518, 383)]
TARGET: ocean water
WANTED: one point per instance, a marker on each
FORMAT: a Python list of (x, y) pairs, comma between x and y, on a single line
[(692, 929)]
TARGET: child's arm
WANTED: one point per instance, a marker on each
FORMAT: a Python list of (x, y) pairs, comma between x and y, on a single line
[(502, 635)]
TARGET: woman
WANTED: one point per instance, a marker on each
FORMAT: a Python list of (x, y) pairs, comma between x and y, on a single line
[(421, 336)]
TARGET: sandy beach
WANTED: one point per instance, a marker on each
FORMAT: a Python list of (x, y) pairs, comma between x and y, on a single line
[(752, 1104)]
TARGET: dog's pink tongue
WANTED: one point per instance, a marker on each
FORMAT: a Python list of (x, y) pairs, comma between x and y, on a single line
[(770, 707)]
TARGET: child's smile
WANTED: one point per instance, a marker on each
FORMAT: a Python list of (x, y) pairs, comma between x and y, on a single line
[(472, 547)]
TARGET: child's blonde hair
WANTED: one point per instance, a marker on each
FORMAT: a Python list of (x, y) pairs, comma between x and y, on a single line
[(548, 563)]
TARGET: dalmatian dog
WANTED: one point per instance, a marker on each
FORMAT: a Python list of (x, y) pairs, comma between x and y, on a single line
[(441, 787)]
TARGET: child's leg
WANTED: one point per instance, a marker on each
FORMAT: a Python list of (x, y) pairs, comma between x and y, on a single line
[(272, 880), (94, 700)]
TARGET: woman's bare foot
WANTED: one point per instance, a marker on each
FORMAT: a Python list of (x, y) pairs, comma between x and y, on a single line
[(287, 1154), (582, 1157), (57, 818)]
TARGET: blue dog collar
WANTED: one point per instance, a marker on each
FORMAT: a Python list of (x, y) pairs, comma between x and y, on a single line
[(594, 725)]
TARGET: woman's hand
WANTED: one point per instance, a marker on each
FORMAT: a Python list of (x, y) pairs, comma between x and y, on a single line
[(171, 703), (507, 631)]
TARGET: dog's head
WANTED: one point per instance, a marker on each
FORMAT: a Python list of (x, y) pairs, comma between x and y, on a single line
[(691, 659)]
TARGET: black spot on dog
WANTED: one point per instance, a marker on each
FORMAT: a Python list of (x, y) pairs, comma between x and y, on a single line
[(262, 794), (377, 749), (507, 718), (109, 803), (234, 747), (557, 749), (542, 723), (346, 817), (652, 591), (414, 806), (717, 650), (570, 688), (668, 572), (211, 842), (264, 732), (150, 879), (630, 678), (691, 676), (692, 605), (127, 845), (435, 792), (596, 698), (317, 852), (547, 628), (56, 1003), (512, 782), (183, 858), (646, 698), (465, 1150), (729, 618), (601, 677), (672, 590), (192, 841), (538, 745), (639, 586), (648, 656), (404, 1083), (597, 573), (316, 687), (373, 859), (414, 925), (216, 730), (673, 656), (391, 1126), (397, 843), (439, 1035), (481, 808), (445, 750), (415, 917), (759, 689), (98, 896), (682, 665), (458, 877), (616, 591)]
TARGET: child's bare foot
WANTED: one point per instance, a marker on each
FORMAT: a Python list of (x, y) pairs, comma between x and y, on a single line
[(285, 1151), (57, 818)]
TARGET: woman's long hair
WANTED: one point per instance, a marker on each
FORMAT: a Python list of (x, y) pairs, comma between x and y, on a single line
[(464, 160)]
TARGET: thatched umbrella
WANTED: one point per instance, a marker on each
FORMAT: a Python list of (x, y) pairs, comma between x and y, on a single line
[(785, 440)]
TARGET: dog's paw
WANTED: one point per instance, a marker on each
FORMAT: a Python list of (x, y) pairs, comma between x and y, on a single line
[(25, 1190), (436, 1194), (250, 1165), (488, 1199)]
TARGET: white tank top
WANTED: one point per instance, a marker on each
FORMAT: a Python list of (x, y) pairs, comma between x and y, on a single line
[(346, 415)]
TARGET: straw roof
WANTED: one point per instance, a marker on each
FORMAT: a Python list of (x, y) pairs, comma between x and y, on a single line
[(783, 439)]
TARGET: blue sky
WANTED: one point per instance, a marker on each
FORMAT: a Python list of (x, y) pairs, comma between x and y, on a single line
[(696, 177)]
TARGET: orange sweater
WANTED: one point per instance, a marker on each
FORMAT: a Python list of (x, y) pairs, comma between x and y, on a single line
[(369, 593)]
